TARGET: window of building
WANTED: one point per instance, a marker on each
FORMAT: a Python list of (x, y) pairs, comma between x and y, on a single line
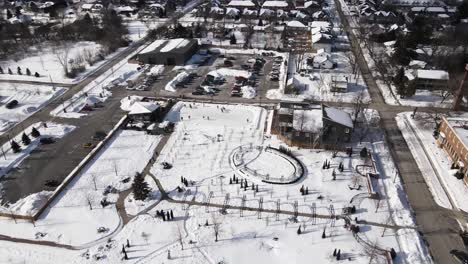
[(346, 130)]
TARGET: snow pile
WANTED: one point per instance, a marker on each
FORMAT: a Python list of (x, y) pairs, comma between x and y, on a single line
[(156, 70), (100, 89), (171, 85), (30, 204), (30, 99), (230, 72), (248, 92), (127, 102)]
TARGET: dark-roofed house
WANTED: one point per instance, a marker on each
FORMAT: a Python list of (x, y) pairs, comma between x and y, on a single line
[(312, 126), (168, 51)]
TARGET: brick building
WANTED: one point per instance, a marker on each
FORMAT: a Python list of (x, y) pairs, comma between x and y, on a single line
[(453, 138)]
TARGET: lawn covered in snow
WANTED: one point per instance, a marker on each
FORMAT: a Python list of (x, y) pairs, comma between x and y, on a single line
[(46, 60), (31, 98)]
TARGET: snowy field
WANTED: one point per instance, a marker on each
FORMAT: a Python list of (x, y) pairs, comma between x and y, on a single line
[(200, 150), (31, 98), (69, 219), (46, 61), (433, 162)]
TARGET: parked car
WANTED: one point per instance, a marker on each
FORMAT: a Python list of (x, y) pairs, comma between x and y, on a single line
[(88, 145), (236, 93), (11, 104), (245, 67), (99, 135), (46, 140), (274, 78), (459, 256), (52, 183), (130, 88), (141, 87), (198, 92), (228, 63)]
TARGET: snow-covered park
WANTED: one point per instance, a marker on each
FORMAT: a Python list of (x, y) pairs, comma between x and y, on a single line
[(201, 151), (31, 98)]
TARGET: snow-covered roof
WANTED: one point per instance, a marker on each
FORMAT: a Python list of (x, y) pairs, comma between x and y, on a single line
[(156, 6), (268, 12), (307, 120), (319, 37), (458, 124), (124, 9), (418, 63), (139, 108), (153, 46), (167, 45), (275, 4), (337, 116), (310, 3), (230, 11), (322, 57), (244, 3), (87, 6), (321, 24), (296, 24), (431, 9), (432, 74)]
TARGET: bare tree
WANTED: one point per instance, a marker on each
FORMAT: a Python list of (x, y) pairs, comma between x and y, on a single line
[(216, 226), (89, 200), (93, 179), (62, 53)]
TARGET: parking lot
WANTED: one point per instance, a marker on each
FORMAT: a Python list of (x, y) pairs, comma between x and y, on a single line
[(196, 83)]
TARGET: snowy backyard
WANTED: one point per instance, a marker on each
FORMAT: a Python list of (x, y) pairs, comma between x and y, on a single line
[(31, 98)]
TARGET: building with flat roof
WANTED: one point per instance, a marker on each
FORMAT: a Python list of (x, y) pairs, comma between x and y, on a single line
[(453, 138), (168, 51)]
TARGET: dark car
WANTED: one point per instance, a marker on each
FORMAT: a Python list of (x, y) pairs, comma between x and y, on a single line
[(11, 104), (99, 135), (197, 92), (52, 183), (460, 256), (228, 63), (235, 93), (47, 140)]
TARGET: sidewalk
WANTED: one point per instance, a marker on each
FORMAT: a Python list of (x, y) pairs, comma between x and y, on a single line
[(433, 162)]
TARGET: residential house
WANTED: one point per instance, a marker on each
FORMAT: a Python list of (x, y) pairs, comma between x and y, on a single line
[(312, 126)]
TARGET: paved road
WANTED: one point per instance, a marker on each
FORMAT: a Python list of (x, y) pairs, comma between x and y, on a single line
[(438, 225), (56, 161)]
